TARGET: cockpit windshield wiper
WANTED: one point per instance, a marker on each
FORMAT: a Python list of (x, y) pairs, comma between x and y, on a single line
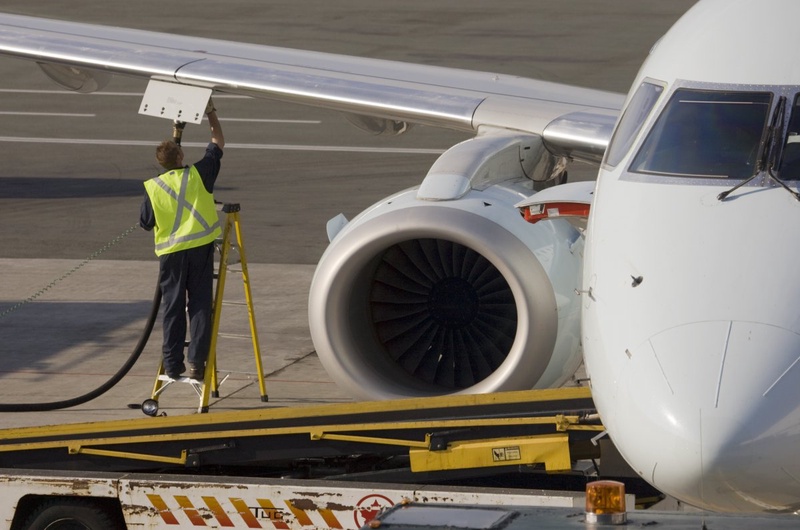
[(772, 153)]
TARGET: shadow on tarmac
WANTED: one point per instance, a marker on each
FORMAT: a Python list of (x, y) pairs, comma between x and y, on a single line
[(68, 188), (63, 337)]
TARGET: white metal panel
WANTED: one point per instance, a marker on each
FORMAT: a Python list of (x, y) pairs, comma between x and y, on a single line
[(174, 101), (228, 502)]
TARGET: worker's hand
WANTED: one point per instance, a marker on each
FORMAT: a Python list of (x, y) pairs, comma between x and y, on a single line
[(177, 131), (210, 107)]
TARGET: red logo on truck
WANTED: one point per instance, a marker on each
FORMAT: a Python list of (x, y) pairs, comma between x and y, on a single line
[(369, 507)]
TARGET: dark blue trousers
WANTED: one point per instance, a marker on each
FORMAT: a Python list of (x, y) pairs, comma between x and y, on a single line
[(187, 278)]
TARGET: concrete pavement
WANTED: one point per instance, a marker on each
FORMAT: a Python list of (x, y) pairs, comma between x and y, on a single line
[(78, 333)]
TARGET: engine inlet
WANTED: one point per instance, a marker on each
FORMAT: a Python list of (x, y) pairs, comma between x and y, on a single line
[(442, 311)]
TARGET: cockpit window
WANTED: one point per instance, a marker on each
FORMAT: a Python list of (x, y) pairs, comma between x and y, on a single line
[(631, 122), (704, 133), (790, 162)]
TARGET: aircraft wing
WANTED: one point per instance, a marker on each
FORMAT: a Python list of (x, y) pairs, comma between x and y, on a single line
[(574, 122)]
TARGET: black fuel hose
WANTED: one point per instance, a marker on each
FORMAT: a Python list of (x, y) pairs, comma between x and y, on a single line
[(116, 378)]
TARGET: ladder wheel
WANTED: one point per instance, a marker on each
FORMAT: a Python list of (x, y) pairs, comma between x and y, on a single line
[(150, 407)]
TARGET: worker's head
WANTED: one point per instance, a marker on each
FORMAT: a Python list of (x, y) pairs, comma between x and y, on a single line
[(169, 154)]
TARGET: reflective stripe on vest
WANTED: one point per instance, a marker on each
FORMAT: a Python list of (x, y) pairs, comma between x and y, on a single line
[(171, 198)]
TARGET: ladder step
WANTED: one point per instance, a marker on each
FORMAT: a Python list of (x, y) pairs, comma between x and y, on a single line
[(181, 379)]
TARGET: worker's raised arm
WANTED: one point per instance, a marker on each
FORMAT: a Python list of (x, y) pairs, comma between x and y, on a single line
[(213, 122), (216, 131)]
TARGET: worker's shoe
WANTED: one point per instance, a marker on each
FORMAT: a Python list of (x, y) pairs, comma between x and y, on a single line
[(197, 372), (175, 373)]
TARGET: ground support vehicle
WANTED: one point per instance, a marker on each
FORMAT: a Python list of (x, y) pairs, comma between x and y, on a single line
[(332, 466), (102, 500)]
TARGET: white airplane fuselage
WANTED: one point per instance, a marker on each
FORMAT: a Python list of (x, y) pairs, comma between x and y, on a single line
[(691, 325)]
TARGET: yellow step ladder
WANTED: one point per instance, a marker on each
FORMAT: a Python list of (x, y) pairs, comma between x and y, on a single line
[(210, 386)]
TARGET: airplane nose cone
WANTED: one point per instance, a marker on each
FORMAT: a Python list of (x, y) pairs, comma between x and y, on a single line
[(708, 409)]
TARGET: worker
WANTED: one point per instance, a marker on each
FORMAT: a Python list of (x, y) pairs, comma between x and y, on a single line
[(180, 206)]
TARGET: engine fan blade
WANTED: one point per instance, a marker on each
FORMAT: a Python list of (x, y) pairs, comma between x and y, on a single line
[(442, 311)]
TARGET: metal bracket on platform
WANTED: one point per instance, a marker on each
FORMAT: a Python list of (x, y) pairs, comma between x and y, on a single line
[(79, 449)]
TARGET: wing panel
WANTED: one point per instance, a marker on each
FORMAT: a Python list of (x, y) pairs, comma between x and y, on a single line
[(92, 52), (335, 90), (432, 95)]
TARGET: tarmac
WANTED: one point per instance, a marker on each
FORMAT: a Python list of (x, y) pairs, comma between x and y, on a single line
[(70, 184), (74, 336)]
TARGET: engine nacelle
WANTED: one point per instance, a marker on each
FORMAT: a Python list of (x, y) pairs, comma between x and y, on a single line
[(419, 297)]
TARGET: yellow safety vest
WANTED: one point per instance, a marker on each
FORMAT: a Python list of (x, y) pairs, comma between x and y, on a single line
[(185, 213)]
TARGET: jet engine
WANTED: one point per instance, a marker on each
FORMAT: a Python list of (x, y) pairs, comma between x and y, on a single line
[(446, 289)]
